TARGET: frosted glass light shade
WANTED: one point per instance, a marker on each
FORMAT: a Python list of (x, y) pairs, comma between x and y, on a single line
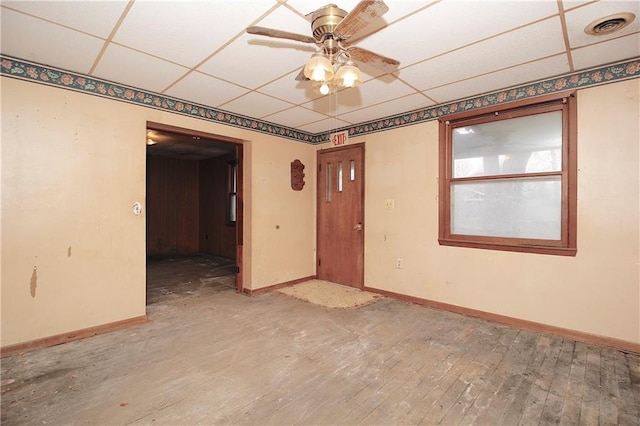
[(319, 68), (348, 75)]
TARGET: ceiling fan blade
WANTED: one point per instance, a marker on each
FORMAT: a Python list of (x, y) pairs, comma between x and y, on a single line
[(270, 32), (362, 15), (377, 61), (301, 76)]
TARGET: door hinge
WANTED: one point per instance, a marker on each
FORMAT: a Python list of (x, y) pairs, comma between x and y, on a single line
[(319, 262), (319, 168)]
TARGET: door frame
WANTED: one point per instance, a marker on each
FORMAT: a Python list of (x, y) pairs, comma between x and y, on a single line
[(360, 145), (240, 188)]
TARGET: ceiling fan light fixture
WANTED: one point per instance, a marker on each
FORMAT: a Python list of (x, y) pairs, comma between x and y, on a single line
[(348, 75), (324, 89), (319, 68)]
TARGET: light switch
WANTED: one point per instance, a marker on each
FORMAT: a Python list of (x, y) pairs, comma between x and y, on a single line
[(388, 204)]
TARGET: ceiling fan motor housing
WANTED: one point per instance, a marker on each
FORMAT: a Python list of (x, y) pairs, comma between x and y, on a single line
[(325, 20)]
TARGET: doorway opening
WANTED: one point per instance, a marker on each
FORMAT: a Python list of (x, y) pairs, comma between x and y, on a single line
[(194, 212)]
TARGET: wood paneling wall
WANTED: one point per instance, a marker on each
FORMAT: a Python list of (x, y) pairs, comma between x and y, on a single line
[(187, 207), (216, 236), (173, 206)]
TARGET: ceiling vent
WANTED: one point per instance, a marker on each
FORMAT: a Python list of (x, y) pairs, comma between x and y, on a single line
[(609, 24)]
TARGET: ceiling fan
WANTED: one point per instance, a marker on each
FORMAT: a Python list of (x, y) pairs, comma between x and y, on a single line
[(333, 30)]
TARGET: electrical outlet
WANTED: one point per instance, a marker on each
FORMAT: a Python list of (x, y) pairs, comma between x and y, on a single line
[(388, 204), (399, 263)]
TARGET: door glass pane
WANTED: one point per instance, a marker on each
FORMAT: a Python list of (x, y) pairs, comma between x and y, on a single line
[(352, 170), (340, 176), (518, 145), (517, 208), (327, 188)]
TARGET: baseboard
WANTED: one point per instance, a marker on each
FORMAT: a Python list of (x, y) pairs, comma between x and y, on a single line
[(578, 336), (71, 336), (277, 286)]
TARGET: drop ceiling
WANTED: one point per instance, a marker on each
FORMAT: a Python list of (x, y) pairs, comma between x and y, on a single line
[(198, 51)]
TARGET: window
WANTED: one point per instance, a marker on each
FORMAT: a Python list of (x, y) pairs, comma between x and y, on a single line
[(232, 183), (508, 177)]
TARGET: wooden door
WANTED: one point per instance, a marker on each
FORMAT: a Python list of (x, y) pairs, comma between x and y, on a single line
[(341, 215)]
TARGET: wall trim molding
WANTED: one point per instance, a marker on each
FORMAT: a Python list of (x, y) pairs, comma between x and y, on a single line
[(269, 288), (578, 336), (59, 339), (51, 76)]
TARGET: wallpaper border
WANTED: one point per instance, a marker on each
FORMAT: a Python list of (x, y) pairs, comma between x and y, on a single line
[(50, 76)]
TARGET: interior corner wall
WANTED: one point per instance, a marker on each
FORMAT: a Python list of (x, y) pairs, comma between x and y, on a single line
[(73, 251), (173, 206), (596, 292)]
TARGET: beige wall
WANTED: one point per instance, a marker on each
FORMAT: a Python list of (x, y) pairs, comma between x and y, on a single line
[(596, 292), (72, 167), (283, 220)]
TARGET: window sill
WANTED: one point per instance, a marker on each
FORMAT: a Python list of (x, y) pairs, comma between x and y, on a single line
[(557, 251)]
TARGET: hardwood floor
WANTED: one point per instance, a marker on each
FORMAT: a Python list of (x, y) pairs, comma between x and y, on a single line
[(211, 356)]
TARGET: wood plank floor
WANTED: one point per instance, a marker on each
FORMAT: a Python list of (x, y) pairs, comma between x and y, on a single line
[(212, 356)]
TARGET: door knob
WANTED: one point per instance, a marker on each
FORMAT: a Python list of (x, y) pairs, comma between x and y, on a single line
[(357, 227)]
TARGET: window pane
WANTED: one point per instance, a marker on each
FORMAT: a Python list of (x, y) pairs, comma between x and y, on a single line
[(519, 145), (340, 176), (352, 170), (517, 208)]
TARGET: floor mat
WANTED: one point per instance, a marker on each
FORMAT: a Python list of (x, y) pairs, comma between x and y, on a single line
[(329, 295)]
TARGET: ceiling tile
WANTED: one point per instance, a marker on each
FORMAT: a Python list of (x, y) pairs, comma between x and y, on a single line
[(205, 90), (290, 90), (285, 19), (253, 61), (501, 79), (393, 107), (572, 4), (136, 69), (93, 17), (450, 25), (369, 93), (326, 125), (609, 51), (295, 117), (579, 18), (523, 45), (187, 31), (255, 105), (63, 48)]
